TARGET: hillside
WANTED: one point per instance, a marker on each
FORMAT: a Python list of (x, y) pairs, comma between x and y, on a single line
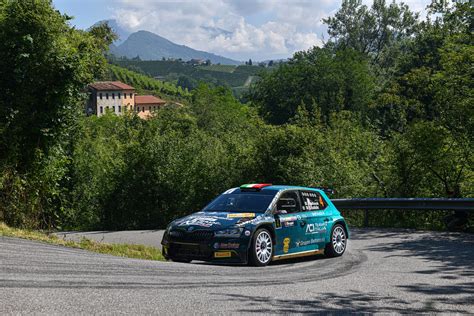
[(149, 46), (145, 84), (237, 78)]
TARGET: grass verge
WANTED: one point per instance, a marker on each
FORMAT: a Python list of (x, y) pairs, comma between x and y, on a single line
[(120, 250)]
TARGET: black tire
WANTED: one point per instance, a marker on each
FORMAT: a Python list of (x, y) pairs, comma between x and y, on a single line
[(264, 257), (180, 260), (338, 242)]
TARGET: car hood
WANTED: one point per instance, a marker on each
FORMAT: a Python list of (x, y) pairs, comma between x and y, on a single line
[(213, 220)]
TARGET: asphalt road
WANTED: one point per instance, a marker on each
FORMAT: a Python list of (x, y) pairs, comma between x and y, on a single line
[(383, 271)]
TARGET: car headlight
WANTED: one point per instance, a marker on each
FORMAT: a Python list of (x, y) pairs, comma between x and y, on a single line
[(229, 232)]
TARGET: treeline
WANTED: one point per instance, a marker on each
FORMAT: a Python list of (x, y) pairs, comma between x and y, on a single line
[(384, 109), (409, 82)]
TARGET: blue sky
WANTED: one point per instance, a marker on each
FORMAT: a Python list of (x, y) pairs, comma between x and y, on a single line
[(257, 29)]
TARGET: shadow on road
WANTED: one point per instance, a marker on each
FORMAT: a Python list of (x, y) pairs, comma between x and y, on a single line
[(451, 256), (333, 304), (452, 253)]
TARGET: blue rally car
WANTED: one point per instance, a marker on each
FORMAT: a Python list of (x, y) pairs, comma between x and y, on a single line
[(257, 224)]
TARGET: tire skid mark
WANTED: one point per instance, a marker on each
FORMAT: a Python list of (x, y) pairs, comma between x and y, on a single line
[(170, 278)]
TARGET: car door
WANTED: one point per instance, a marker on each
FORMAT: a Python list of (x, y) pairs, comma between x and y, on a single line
[(314, 217), (287, 224)]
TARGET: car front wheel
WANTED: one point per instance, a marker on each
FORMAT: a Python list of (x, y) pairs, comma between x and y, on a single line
[(338, 243), (261, 250)]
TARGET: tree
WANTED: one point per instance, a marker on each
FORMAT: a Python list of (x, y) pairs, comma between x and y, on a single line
[(334, 82), (45, 66), (370, 31), (187, 82)]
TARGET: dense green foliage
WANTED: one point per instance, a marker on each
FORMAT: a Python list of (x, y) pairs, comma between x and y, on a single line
[(391, 118), (45, 65)]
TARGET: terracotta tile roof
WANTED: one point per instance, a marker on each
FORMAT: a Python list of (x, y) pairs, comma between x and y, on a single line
[(110, 85), (148, 99)]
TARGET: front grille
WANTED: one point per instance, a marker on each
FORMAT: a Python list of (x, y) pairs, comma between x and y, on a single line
[(190, 251), (196, 236)]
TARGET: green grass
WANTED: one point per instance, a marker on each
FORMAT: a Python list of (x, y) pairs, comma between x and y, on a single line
[(119, 250)]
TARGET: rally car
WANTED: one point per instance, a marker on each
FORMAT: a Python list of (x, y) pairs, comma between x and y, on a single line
[(257, 224)]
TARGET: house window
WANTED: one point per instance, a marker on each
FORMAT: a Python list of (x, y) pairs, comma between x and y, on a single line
[(113, 95), (120, 109), (107, 96), (154, 108), (100, 96), (143, 109), (119, 95), (124, 95), (101, 110), (131, 96), (113, 109)]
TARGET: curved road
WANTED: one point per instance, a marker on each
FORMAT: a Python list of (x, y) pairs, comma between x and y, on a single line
[(382, 271)]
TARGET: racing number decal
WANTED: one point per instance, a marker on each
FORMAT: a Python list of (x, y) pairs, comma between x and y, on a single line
[(286, 245)]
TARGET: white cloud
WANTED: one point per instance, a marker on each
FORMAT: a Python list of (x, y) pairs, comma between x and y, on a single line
[(259, 29)]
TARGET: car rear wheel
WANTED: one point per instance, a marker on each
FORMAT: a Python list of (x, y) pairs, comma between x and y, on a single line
[(261, 249), (338, 243)]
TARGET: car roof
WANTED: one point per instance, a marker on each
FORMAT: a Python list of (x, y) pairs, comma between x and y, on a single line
[(287, 187)]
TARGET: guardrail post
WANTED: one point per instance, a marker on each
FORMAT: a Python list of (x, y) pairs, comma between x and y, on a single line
[(366, 218)]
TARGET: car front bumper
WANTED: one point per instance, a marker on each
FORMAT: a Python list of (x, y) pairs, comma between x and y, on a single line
[(225, 250)]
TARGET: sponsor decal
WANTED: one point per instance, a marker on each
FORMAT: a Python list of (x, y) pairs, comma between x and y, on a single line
[(249, 220), (308, 242), (200, 221), (310, 204), (222, 254), (289, 224), (288, 219), (310, 194), (237, 215), (286, 244), (277, 222), (229, 245), (312, 201), (321, 202), (315, 228)]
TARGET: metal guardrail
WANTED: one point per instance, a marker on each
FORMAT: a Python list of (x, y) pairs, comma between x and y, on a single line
[(366, 204), (405, 204)]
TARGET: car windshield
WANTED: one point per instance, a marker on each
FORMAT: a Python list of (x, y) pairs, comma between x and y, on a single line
[(242, 202)]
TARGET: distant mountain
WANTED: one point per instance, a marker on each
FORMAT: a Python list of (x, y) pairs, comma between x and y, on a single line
[(150, 46), (122, 33)]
